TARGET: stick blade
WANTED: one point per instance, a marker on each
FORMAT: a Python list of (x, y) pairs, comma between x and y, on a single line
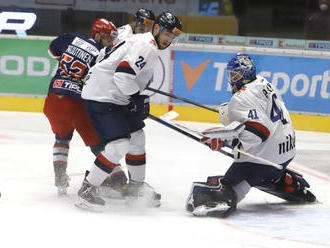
[(171, 115)]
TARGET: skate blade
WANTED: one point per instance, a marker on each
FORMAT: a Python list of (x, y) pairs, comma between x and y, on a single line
[(220, 209), (85, 205)]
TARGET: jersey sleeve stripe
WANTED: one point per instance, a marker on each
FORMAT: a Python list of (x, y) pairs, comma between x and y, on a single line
[(125, 67), (258, 129)]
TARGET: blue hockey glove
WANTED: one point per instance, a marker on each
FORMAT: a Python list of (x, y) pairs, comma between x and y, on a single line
[(139, 106)]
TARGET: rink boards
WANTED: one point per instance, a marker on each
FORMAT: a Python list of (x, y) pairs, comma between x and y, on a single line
[(195, 72)]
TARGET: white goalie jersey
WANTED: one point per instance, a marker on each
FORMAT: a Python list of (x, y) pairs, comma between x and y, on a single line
[(126, 70), (268, 129)]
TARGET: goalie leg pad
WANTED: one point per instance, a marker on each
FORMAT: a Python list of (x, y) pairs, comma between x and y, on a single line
[(215, 197), (291, 187)]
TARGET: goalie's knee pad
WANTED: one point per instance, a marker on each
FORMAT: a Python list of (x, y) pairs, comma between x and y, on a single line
[(206, 197)]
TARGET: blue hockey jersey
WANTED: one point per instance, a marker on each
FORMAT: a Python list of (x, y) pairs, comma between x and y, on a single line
[(76, 53)]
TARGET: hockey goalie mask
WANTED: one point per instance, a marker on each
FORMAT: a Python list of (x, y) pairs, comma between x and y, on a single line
[(240, 71)]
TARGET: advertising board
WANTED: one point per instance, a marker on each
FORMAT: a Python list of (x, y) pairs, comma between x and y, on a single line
[(303, 83)]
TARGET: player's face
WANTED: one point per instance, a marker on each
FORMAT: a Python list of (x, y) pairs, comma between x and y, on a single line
[(165, 39), (106, 40), (142, 28), (233, 77)]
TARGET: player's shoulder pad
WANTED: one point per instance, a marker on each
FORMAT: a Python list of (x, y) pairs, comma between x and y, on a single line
[(238, 104), (145, 39)]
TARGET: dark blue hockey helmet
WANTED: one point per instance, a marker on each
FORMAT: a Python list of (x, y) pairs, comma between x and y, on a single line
[(145, 17), (241, 70), (170, 22)]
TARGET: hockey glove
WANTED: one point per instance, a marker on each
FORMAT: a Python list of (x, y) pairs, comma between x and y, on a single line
[(215, 144), (139, 106)]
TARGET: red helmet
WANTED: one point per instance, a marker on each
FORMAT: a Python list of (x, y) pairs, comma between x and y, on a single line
[(104, 26)]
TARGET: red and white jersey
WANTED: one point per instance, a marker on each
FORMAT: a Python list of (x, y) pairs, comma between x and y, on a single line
[(126, 70), (268, 128), (124, 32)]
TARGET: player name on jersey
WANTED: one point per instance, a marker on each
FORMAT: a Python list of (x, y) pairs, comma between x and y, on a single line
[(79, 53)]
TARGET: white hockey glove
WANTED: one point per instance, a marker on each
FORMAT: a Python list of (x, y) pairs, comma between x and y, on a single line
[(216, 137), (223, 113)]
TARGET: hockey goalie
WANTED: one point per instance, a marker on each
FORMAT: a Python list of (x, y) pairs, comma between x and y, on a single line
[(256, 121)]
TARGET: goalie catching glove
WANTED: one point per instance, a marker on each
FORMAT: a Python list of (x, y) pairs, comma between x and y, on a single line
[(216, 137)]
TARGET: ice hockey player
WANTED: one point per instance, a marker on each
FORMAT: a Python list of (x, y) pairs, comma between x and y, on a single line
[(257, 121), (64, 107), (144, 20), (117, 110)]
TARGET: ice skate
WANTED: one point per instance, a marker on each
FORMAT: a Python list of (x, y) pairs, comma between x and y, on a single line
[(88, 198), (61, 180), (114, 185), (306, 196), (141, 194)]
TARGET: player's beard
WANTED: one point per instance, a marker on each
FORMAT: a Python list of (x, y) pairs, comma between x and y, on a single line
[(159, 45)]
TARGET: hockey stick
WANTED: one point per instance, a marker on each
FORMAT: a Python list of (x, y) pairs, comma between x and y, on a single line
[(164, 122), (181, 99), (180, 128)]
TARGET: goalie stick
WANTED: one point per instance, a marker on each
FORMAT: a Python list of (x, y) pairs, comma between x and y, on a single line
[(190, 133)]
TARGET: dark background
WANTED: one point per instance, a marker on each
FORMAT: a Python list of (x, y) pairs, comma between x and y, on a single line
[(300, 19)]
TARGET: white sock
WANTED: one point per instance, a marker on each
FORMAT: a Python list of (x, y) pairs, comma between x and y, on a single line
[(137, 173), (96, 176)]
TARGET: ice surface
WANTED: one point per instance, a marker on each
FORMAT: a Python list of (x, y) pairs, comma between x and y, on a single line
[(31, 214)]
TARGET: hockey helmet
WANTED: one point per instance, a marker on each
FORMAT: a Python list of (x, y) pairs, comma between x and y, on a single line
[(104, 26), (170, 22), (145, 17), (241, 70)]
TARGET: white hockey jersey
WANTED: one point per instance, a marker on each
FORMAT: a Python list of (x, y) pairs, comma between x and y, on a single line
[(126, 70), (269, 132), (124, 32)]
